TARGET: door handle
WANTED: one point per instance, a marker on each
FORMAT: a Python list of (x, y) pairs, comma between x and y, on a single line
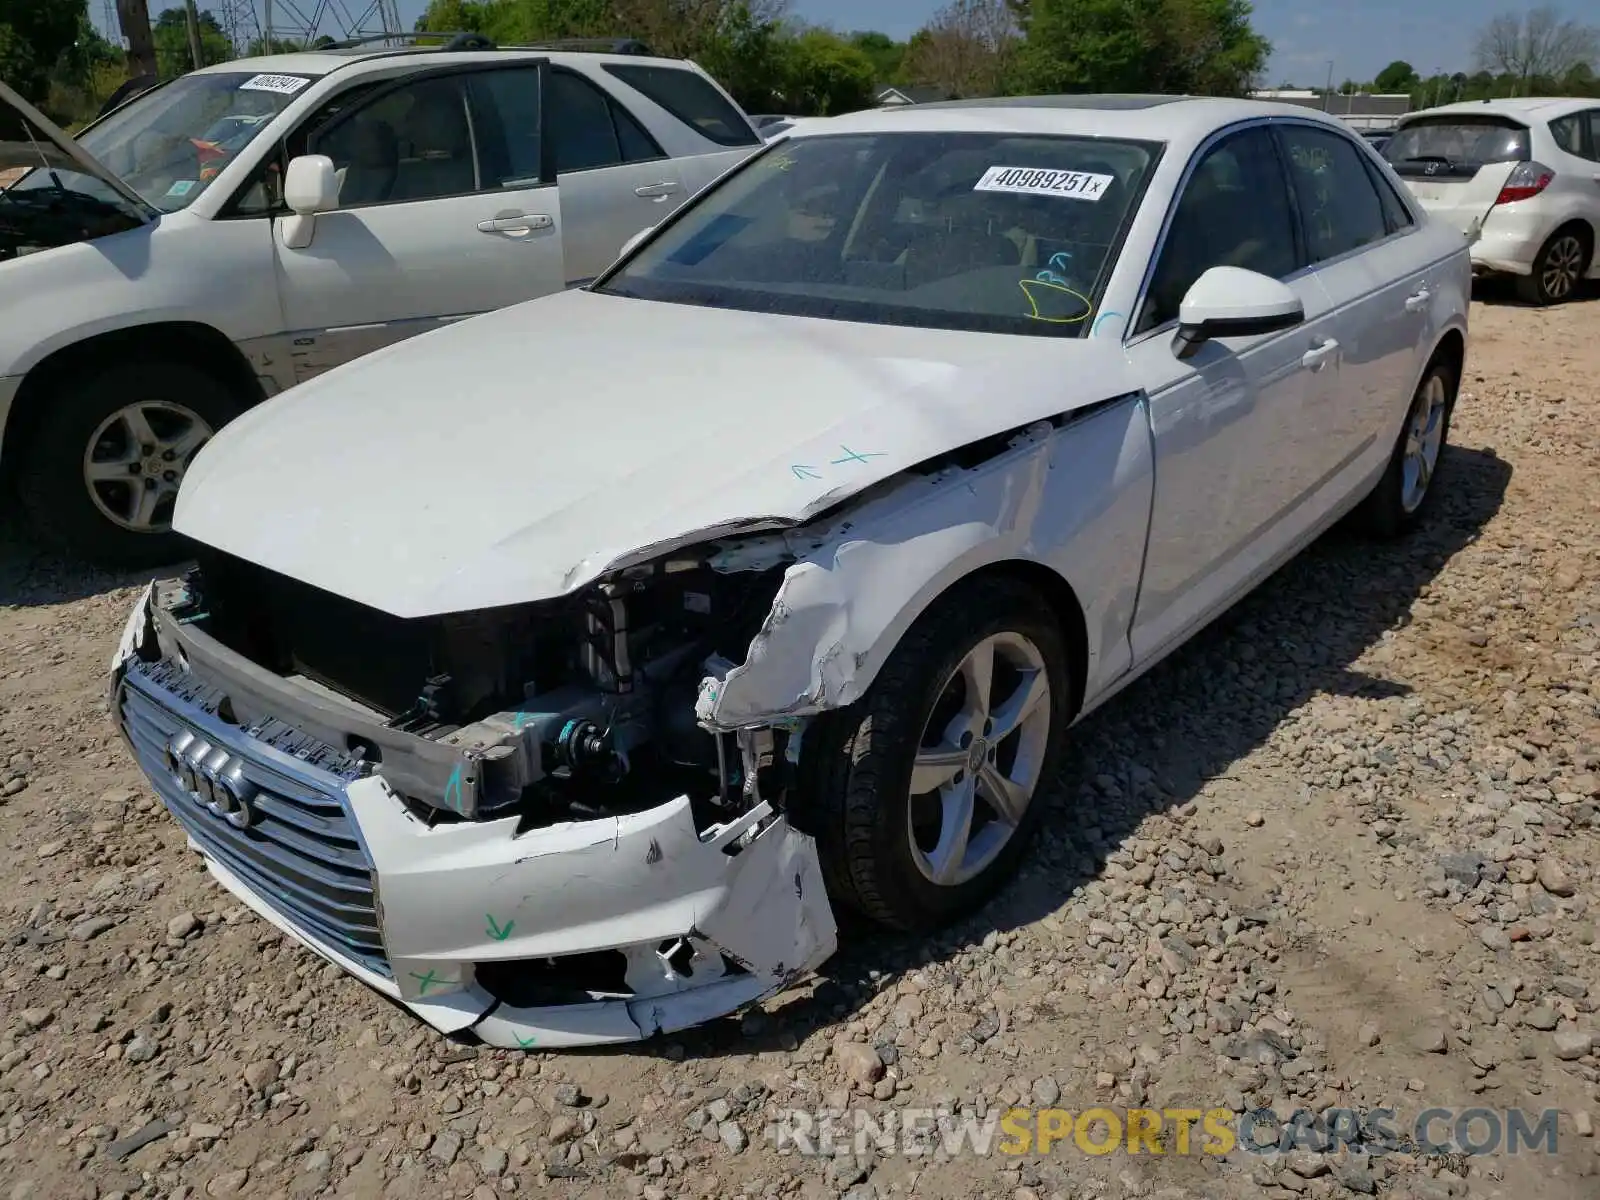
[(658, 191), (1418, 301), (1317, 357), (516, 223)]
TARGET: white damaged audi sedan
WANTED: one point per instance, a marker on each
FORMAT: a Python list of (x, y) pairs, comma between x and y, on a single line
[(561, 673)]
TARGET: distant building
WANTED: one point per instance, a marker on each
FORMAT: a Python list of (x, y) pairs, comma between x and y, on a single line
[(887, 96), (1361, 110)]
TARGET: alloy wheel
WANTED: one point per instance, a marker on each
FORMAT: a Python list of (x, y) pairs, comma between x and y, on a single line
[(1562, 265), (1424, 440), (136, 459), (980, 758)]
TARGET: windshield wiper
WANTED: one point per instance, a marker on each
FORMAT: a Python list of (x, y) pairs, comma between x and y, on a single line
[(1439, 158)]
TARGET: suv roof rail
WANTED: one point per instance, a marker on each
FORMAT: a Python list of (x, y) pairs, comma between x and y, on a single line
[(592, 45), (453, 39)]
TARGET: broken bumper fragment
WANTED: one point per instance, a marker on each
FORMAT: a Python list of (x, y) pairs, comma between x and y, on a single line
[(577, 933)]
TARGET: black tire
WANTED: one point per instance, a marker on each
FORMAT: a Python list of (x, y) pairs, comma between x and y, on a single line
[(51, 475), (853, 791), (1388, 512), (1558, 270)]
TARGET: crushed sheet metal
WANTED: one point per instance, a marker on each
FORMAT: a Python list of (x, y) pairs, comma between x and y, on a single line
[(857, 584)]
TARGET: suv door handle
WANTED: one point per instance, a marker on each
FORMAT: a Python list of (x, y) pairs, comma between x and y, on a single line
[(658, 191), (1418, 301), (1317, 357), (516, 223)]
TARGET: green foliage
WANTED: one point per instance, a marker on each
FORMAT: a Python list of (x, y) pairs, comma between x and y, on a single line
[(1204, 47), (827, 75), (885, 54), (170, 29), (1398, 76), (38, 37)]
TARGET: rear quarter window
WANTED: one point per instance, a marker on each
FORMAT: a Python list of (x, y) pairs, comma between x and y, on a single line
[(690, 98)]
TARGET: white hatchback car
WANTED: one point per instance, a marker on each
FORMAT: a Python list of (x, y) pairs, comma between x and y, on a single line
[(1521, 178), (246, 227), (611, 683)]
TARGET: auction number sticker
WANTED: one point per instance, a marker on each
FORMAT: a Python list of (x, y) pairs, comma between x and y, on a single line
[(283, 85), (1035, 181)]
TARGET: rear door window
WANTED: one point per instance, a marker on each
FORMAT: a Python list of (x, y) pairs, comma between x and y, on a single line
[(1456, 146), (1340, 209), (692, 99)]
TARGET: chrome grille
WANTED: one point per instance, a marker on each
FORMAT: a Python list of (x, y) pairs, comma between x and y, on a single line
[(298, 850)]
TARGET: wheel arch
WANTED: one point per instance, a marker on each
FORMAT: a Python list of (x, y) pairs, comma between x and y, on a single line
[(836, 674), (191, 342)]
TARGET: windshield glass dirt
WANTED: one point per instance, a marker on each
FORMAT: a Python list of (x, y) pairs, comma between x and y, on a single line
[(170, 143), (978, 231), (1459, 144)]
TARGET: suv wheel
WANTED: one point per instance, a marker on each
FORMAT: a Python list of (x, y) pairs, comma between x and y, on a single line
[(1562, 262), (101, 473), (925, 793)]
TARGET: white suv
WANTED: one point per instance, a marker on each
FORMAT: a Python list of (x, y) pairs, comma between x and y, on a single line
[(246, 227), (1521, 178)]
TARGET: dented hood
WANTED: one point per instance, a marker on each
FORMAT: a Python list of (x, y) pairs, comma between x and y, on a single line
[(519, 455)]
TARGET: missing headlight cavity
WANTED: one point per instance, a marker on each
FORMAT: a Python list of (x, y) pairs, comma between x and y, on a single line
[(568, 709)]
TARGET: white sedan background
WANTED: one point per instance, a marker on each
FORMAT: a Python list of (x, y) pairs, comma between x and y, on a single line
[(945, 426)]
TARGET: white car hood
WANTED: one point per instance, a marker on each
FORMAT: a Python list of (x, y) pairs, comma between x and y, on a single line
[(519, 455)]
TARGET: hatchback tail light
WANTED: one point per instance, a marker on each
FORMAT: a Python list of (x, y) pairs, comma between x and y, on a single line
[(1527, 180)]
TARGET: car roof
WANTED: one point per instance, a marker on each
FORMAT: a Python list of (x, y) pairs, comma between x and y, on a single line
[(1541, 108), (344, 58), (1174, 119)]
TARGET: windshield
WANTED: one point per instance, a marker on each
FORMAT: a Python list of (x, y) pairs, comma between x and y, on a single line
[(1459, 144), (977, 231), (170, 143)]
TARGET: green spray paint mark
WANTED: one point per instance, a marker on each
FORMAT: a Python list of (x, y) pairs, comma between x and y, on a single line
[(424, 982), (496, 930), (527, 1043), (452, 790)]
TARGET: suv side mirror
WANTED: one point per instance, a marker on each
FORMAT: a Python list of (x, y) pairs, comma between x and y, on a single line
[(310, 186), (1234, 302)]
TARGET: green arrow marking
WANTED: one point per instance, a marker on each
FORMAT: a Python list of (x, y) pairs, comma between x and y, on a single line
[(527, 1043), (496, 930)]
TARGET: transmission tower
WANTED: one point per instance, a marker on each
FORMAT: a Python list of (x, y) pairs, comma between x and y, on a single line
[(302, 22), (238, 20), (112, 23)]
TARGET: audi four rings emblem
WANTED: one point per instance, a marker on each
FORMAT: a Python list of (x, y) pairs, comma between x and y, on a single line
[(212, 777)]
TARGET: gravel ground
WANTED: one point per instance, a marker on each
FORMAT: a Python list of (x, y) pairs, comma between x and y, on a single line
[(1340, 852)]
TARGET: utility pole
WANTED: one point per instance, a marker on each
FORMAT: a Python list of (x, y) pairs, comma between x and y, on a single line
[(193, 22), (134, 17), (1327, 92)]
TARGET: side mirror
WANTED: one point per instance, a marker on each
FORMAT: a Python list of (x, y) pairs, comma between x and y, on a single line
[(1233, 302), (310, 186), (633, 243)]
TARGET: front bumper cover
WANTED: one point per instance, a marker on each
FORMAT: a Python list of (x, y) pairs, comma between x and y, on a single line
[(700, 922)]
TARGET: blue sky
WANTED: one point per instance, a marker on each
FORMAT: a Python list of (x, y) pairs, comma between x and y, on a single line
[(1359, 36)]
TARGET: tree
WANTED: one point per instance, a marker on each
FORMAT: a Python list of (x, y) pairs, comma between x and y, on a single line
[(826, 75), (966, 49), (1398, 76), (885, 53), (1203, 47), (170, 33), (35, 35), (1540, 46)]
